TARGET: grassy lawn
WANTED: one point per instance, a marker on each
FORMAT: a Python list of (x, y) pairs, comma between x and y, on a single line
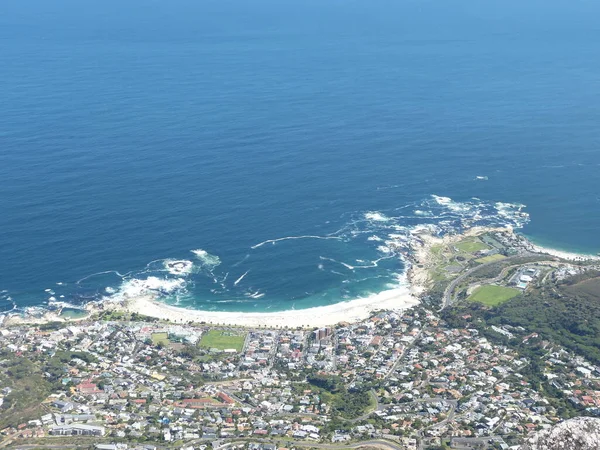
[(491, 258), (436, 250), (222, 340), (160, 337), (471, 245), (493, 295)]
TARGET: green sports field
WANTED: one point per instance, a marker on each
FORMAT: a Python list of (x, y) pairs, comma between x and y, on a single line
[(491, 258), (222, 340), (493, 295), (160, 337), (471, 245)]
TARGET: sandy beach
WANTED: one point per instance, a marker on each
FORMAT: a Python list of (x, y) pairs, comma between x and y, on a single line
[(564, 255), (351, 311), (400, 298), (406, 295)]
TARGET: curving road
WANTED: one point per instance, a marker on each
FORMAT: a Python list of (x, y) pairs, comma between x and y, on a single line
[(378, 443), (449, 291)]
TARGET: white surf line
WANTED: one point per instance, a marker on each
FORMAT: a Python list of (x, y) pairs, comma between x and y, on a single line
[(383, 258), (347, 266), (240, 262), (116, 272), (273, 241), (240, 278), (369, 266)]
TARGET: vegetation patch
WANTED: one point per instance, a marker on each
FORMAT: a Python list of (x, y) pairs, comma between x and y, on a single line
[(493, 295), (346, 403), (567, 313), (223, 340), (588, 289), (160, 338), (29, 389), (471, 245), (491, 258)]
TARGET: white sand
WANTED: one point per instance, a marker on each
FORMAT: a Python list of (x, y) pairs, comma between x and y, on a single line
[(351, 311), (405, 296), (564, 255)]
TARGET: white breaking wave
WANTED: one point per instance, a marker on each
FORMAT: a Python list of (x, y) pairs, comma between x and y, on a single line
[(289, 238), (442, 200), (384, 249), (137, 287), (352, 267), (347, 266), (178, 266), (481, 177), (60, 304), (373, 236), (376, 216), (512, 213), (116, 272), (240, 278), (240, 262), (207, 260)]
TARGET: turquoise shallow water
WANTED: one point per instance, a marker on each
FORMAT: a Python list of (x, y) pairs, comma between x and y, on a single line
[(135, 133)]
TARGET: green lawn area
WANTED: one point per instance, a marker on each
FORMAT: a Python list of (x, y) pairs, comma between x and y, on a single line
[(436, 250), (493, 295), (160, 337), (491, 258), (223, 340), (471, 245)]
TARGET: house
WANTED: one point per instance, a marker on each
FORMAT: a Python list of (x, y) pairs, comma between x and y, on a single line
[(88, 388), (226, 398), (77, 430), (63, 406)]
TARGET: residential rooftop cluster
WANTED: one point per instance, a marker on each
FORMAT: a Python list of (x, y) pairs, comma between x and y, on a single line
[(407, 376)]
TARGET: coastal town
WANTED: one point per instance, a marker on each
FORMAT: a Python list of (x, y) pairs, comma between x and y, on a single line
[(427, 376)]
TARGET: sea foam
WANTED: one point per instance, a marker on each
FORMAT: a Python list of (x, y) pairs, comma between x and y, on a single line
[(376, 216), (178, 266), (373, 242), (206, 259)]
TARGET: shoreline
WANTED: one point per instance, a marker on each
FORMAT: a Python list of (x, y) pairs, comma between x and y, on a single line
[(571, 256), (421, 259), (415, 281), (399, 298)]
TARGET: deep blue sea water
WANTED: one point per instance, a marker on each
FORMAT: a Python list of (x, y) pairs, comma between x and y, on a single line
[(136, 132)]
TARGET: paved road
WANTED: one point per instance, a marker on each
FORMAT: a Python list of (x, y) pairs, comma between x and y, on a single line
[(449, 292), (379, 443), (453, 405), (404, 352), (378, 407)]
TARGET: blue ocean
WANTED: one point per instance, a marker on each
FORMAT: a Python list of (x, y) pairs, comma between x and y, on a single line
[(272, 154)]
